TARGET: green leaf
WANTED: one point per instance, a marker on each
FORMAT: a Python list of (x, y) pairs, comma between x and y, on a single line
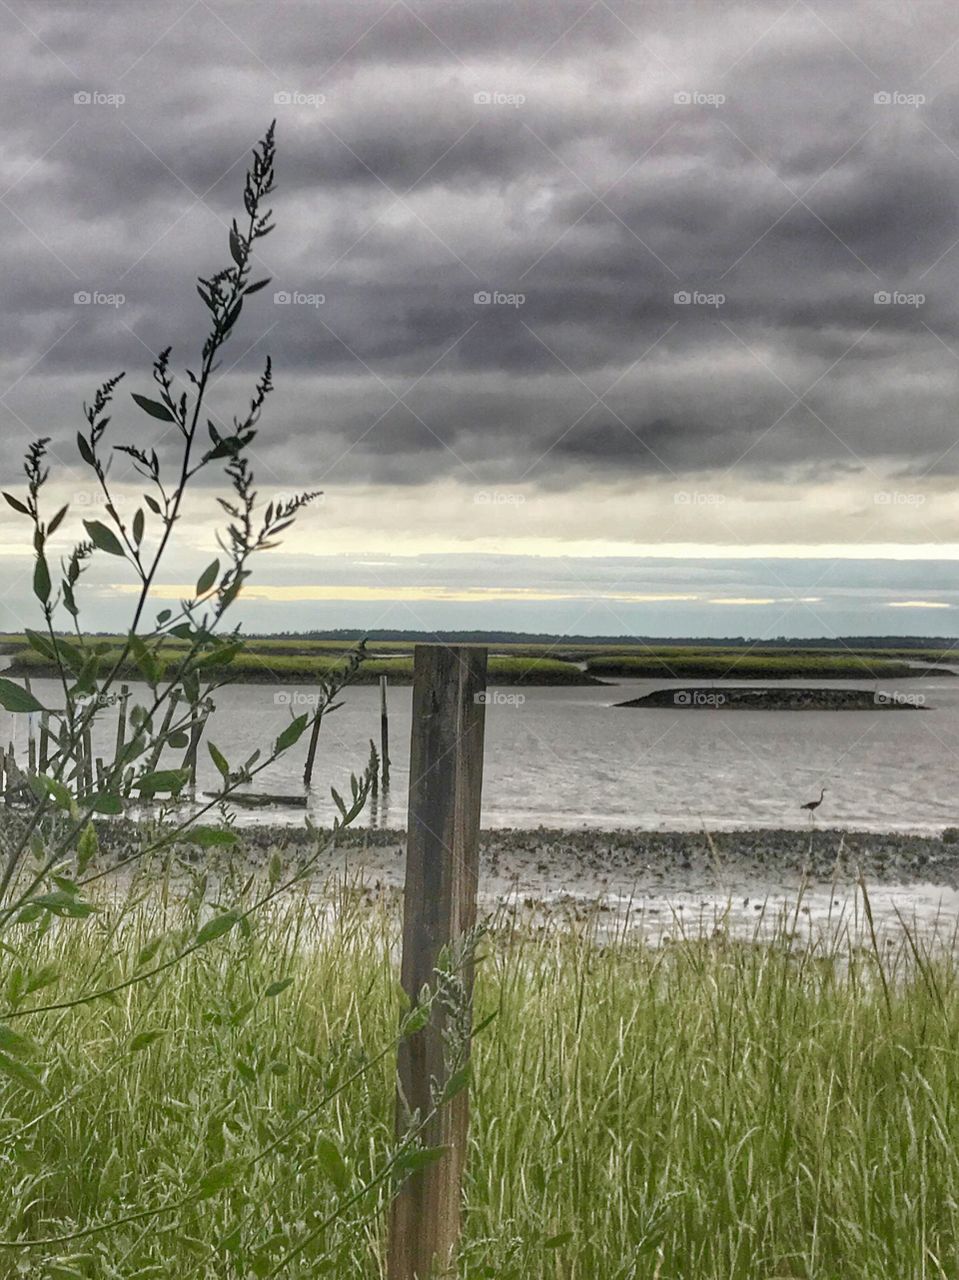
[(86, 451), (16, 504), (217, 927), (231, 317), (207, 578), (105, 803), (255, 288), (13, 1042), (221, 656), (139, 523), (331, 1161), (62, 903), (457, 1082), (145, 1039), (87, 848), (41, 579), (236, 248), (219, 1176), (42, 977), (555, 1242), (292, 733), (172, 780), (13, 698), (218, 758), (419, 1158), (21, 1073), (275, 988), (154, 408), (149, 951), (178, 739), (415, 1020), (103, 537), (56, 522), (146, 659), (206, 837), (41, 644), (59, 793)]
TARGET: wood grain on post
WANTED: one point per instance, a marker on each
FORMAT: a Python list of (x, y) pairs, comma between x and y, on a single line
[(442, 865), (384, 735)]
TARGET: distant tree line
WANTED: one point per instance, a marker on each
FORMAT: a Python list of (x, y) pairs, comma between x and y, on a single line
[(349, 634)]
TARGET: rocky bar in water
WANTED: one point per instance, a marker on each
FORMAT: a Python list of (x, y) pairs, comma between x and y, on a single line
[(751, 698)]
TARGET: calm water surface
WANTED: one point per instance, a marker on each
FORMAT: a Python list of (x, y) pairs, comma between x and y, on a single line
[(568, 757)]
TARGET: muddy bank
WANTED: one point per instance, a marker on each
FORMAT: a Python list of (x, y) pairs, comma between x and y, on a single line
[(652, 885), (589, 858), (750, 698)]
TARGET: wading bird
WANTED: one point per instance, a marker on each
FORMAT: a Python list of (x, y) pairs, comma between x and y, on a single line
[(813, 804)]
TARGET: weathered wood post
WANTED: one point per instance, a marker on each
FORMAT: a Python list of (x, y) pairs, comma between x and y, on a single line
[(157, 751), (384, 735), (442, 865), (31, 739), (121, 721), (44, 740)]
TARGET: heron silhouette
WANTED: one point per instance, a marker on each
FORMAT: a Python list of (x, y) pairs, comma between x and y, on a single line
[(812, 805)]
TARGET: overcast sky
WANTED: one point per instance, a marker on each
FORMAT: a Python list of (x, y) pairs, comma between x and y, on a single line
[(588, 317)]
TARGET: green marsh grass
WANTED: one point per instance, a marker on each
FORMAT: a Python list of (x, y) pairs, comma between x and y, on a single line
[(711, 1108), (257, 666)]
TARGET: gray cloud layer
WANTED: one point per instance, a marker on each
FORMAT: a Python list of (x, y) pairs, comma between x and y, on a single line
[(599, 197)]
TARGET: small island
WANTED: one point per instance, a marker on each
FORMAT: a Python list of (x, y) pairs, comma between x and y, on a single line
[(751, 698)]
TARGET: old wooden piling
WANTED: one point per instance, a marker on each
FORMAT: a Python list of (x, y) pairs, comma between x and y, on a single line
[(442, 860), (384, 735)]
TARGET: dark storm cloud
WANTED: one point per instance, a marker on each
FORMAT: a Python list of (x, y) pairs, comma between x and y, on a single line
[(781, 186)]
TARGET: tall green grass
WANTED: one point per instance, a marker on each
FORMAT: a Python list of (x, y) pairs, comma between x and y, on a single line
[(710, 1109)]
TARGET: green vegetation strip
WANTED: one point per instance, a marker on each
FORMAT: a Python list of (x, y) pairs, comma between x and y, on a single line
[(254, 666), (712, 1109)]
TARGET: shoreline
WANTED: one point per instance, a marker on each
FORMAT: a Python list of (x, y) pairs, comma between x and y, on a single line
[(653, 886), (563, 855)]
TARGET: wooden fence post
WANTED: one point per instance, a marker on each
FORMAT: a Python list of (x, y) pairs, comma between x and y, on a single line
[(384, 735), (442, 864)]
